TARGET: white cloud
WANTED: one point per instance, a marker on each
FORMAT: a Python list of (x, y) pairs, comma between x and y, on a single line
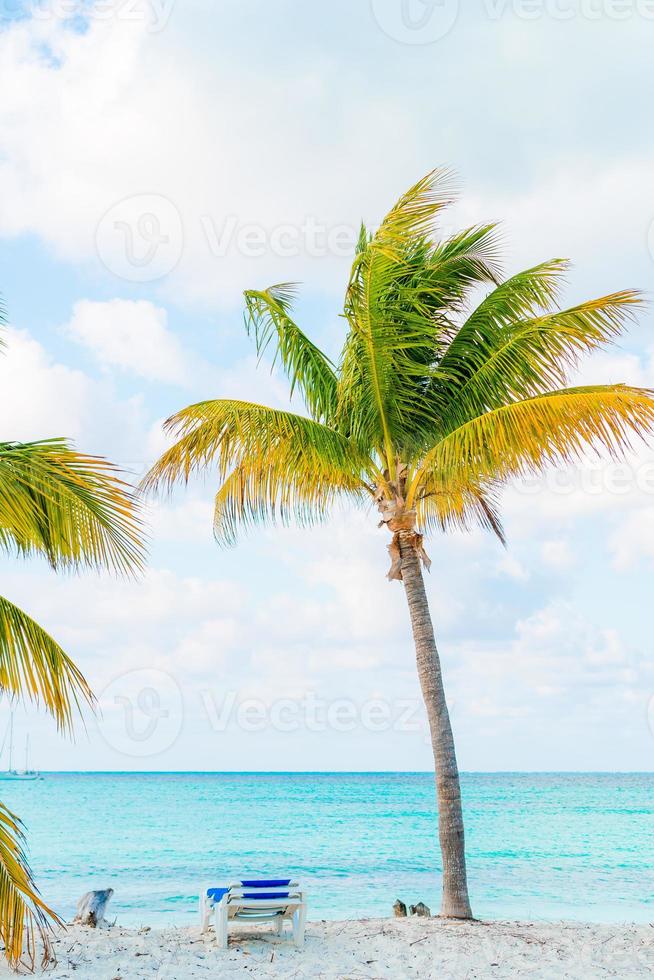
[(562, 215), (187, 519), (132, 335), (557, 554), (559, 496), (205, 649), (608, 367), (208, 139), (41, 398), (95, 118), (558, 662), (510, 566), (632, 541)]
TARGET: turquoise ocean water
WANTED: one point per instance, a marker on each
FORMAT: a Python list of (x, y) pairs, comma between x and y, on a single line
[(540, 846)]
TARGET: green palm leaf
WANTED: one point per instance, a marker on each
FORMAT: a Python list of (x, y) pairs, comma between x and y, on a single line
[(70, 507), (307, 368), (524, 358), (33, 667), (403, 294)]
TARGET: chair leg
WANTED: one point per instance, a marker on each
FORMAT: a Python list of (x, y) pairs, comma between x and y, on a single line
[(204, 913), (221, 925), (280, 925), (299, 921)]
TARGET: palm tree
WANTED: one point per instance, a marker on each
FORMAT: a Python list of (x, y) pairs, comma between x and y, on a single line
[(435, 402), (75, 511)]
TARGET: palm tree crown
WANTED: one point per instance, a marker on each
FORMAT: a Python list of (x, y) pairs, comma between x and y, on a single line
[(435, 401)]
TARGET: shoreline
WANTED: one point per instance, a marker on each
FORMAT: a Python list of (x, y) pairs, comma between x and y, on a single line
[(364, 948)]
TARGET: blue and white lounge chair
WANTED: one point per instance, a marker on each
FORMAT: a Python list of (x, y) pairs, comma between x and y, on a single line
[(255, 900)]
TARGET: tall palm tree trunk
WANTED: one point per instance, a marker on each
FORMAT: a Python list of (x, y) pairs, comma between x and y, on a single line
[(455, 902)]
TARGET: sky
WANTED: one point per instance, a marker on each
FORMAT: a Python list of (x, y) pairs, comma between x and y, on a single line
[(157, 158)]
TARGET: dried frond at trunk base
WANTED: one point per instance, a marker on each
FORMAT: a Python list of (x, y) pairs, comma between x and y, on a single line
[(416, 540)]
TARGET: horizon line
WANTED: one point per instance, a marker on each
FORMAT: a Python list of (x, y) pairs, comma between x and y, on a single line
[(345, 772)]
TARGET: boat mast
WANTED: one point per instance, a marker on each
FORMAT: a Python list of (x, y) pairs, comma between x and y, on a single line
[(11, 737)]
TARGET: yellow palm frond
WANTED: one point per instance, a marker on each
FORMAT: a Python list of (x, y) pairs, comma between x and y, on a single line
[(33, 667), (25, 920), (284, 487), (523, 437), (270, 463), (447, 506), (72, 508)]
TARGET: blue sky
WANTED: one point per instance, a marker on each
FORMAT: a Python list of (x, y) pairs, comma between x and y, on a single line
[(157, 159)]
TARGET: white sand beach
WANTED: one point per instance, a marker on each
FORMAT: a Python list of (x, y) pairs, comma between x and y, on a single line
[(370, 948)]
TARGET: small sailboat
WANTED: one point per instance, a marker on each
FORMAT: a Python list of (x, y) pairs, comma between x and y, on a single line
[(12, 773)]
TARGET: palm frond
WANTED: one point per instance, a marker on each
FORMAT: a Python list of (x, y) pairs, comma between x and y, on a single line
[(25, 919), (280, 490), (467, 259), (72, 508), (307, 368), (446, 506), (33, 667), (525, 436), (530, 357), (403, 292), (270, 463), (414, 213), (519, 298)]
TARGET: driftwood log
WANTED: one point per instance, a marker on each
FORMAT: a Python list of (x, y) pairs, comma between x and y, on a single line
[(420, 909), (399, 909), (91, 908)]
